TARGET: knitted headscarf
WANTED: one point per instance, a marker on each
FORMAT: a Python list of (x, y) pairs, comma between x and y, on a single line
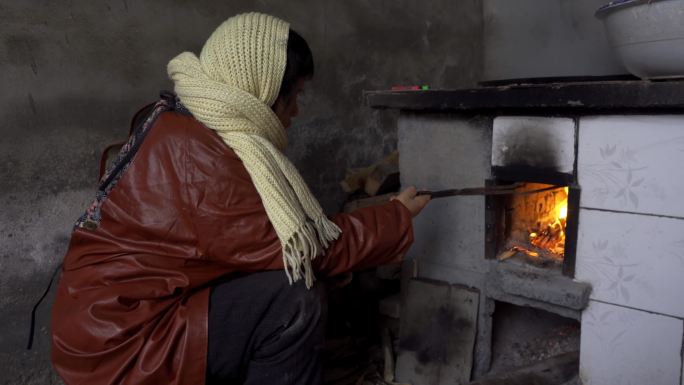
[(230, 89)]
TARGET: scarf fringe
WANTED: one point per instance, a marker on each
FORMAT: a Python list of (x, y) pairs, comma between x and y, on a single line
[(304, 245), (328, 231)]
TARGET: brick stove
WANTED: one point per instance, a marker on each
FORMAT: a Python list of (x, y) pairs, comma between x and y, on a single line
[(607, 150)]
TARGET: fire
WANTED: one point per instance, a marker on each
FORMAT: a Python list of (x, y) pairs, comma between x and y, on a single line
[(526, 251), (551, 236), (536, 223)]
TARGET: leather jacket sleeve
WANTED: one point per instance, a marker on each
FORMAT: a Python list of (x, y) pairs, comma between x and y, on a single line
[(370, 237)]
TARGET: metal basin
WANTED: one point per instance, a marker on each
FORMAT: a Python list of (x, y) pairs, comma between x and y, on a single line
[(647, 35)]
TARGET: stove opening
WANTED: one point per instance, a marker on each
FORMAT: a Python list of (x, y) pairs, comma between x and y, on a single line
[(523, 336), (537, 222), (536, 225)]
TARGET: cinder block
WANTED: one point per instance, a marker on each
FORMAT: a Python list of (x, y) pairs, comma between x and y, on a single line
[(442, 151), (452, 274), (547, 143), (437, 334), (538, 284)]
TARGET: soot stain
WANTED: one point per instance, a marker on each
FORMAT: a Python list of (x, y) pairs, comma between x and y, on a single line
[(527, 150)]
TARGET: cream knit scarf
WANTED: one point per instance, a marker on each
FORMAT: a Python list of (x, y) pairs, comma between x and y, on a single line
[(230, 89)]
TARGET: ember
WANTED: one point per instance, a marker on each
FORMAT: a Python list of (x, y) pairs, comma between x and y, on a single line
[(537, 223), (552, 236)]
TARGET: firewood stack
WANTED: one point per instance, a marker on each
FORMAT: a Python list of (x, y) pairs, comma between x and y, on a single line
[(372, 185)]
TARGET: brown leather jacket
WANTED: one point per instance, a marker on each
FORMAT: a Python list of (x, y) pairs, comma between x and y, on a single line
[(132, 303)]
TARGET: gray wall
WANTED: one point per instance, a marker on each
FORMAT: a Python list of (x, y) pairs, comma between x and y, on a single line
[(73, 72), (539, 38)]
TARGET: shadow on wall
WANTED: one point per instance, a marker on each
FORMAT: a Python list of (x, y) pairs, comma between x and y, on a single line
[(545, 38)]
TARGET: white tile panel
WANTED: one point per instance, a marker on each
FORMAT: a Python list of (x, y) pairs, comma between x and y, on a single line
[(632, 260), (621, 346), (632, 163), (534, 141)]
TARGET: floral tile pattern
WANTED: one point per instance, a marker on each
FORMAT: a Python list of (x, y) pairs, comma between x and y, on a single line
[(632, 260), (629, 347), (632, 163)]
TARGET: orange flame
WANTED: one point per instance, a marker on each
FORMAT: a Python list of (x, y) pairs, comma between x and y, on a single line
[(551, 236)]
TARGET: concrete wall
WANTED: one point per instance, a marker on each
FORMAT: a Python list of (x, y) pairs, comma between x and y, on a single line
[(538, 38), (73, 72)]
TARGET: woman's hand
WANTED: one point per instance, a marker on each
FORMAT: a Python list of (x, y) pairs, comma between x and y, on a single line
[(413, 203)]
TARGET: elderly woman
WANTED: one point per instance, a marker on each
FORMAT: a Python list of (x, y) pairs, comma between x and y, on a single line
[(196, 262)]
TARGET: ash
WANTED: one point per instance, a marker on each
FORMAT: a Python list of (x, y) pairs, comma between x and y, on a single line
[(523, 336)]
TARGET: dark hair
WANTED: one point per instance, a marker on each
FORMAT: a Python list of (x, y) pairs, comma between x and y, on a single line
[(299, 65)]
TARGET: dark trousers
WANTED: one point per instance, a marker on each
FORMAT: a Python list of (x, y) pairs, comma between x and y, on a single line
[(262, 330)]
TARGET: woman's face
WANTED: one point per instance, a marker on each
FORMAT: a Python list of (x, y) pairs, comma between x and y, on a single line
[(286, 109)]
